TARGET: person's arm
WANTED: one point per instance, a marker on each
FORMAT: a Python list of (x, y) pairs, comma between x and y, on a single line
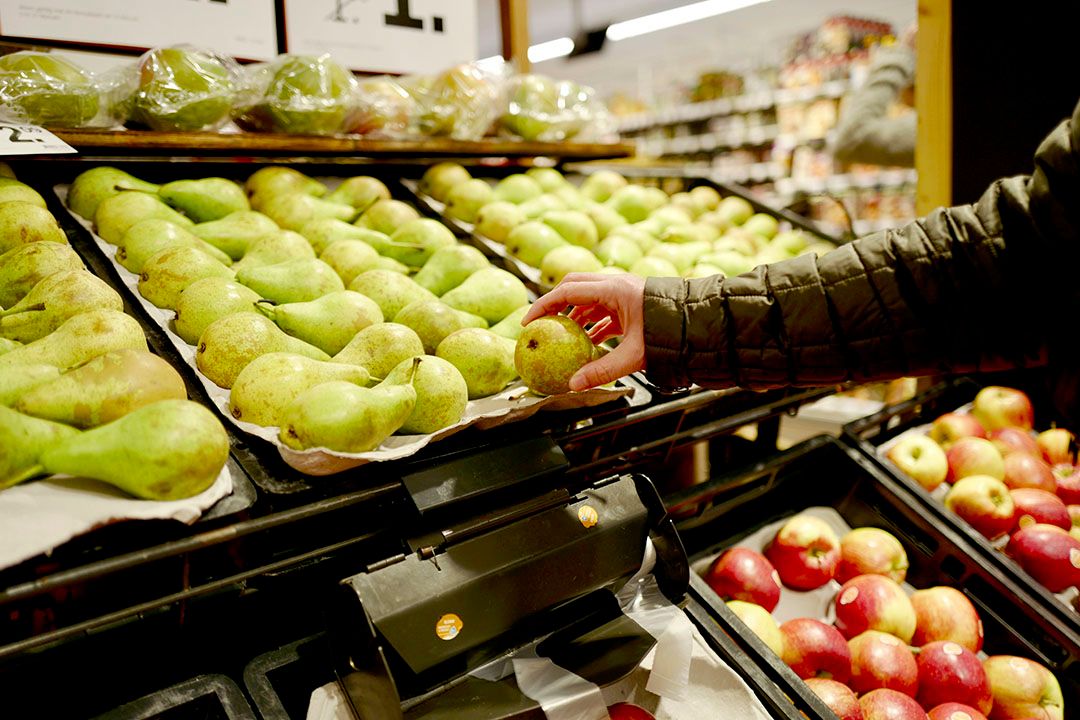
[(865, 132)]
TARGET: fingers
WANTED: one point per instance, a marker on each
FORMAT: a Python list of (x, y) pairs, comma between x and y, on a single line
[(572, 293), (623, 360), (599, 328), (585, 314)]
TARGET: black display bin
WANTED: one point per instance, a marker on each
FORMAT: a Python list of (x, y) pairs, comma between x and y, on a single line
[(206, 697)]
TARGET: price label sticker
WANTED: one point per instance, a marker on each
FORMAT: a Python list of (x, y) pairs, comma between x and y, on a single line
[(18, 139)]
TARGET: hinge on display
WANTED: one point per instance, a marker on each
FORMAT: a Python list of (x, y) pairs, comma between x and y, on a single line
[(373, 567)]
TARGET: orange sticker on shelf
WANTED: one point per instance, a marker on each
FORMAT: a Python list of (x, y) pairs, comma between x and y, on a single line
[(448, 627), (588, 516)]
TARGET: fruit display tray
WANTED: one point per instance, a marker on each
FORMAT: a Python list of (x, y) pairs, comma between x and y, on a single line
[(208, 697)]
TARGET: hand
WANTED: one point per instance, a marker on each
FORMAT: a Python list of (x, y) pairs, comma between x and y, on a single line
[(613, 305)]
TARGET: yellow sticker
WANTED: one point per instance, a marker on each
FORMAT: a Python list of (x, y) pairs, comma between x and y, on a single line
[(448, 627), (588, 516)]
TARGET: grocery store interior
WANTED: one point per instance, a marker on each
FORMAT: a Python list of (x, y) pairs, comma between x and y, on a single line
[(539, 360)]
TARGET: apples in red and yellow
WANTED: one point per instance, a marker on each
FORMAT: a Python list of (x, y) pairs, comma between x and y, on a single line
[(920, 458), (837, 697), (874, 602), (974, 456), (1010, 440), (944, 613), (761, 623), (880, 660), (628, 711), (1028, 470), (742, 574), (1067, 483), (1038, 506), (1058, 446), (955, 711), (1047, 553), (871, 551), (814, 649), (885, 704), (950, 427), (1000, 407), (805, 552), (951, 673), (984, 502), (1022, 688)]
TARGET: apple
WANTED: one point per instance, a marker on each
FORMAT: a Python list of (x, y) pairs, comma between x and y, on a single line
[(880, 660), (1000, 407), (874, 602), (814, 649), (984, 502), (1026, 469), (1074, 517), (922, 459), (950, 427), (955, 711), (1023, 688), (974, 456), (805, 552), (1009, 440), (742, 574), (1067, 480), (628, 711), (1047, 553), (760, 622), (837, 697), (1057, 445), (871, 551), (1038, 506), (951, 673), (945, 613), (886, 704)]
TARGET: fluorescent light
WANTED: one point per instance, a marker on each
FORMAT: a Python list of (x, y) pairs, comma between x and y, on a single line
[(673, 17), (557, 48)]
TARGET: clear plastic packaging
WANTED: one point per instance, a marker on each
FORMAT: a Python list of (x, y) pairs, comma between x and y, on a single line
[(542, 109), (48, 90), (181, 88), (299, 95), (383, 108), (461, 103)]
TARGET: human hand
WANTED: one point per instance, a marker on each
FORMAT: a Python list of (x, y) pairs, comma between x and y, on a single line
[(613, 305)]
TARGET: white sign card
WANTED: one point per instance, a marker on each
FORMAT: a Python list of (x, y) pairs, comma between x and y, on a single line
[(241, 28), (396, 36), (18, 139)]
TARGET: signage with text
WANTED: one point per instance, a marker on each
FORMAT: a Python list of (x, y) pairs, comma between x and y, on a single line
[(17, 139)]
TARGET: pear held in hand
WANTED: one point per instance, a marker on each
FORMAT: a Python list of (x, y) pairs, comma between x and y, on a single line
[(549, 351)]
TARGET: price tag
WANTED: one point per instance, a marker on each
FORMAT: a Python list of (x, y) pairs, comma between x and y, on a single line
[(16, 139)]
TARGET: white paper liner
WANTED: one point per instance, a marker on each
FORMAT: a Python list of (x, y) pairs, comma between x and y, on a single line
[(511, 405)]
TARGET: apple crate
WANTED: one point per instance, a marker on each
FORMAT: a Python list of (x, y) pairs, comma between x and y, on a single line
[(207, 697), (825, 474)]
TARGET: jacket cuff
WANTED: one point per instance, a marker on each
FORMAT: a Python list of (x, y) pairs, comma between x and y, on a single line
[(665, 332)]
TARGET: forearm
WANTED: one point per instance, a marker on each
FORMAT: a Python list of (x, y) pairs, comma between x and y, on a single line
[(865, 133)]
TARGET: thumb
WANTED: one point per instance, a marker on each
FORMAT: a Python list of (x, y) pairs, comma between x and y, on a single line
[(616, 364)]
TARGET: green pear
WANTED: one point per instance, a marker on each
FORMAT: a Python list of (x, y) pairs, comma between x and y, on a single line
[(82, 337), (23, 267), (655, 198), (440, 178), (6, 171), (24, 439), (762, 224), (432, 321), (471, 321), (271, 382), (491, 293), (570, 197), (149, 237), (291, 281), (385, 263), (17, 380), (92, 186), (574, 226), (561, 261), (229, 343), (118, 213), (540, 206), (530, 241), (380, 347), (48, 90), (53, 301), (464, 200), (549, 351), (605, 219), (689, 233), (663, 218), (715, 219), (649, 266), (361, 192), (386, 216), (685, 201), (235, 232), (104, 389), (306, 95), (484, 359), (517, 189), (448, 267), (204, 301), (267, 183), (349, 258), (706, 197), (681, 255), (495, 220), (770, 255), (169, 271), (734, 211), (15, 191), (702, 270), (791, 242), (414, 242), (206, 199), (324, 231), (549, 179), (641, 237), (618, 250), (819, 248), (441, 394), (631, 202), (741, 245), (343, 417), (292, 212), (510, 326), (600, 185), (182, 89), (277, 247), (22, 223), (390, 290), (730, 262), (328, 322)]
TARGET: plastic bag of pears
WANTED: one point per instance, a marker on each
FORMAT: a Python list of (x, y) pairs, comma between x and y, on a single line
[(299, 95), (542, 109), (384, 108), (461, 103), (49, 90)]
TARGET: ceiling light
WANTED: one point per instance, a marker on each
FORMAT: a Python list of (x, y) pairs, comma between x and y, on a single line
[(557, 48), (671, 18)]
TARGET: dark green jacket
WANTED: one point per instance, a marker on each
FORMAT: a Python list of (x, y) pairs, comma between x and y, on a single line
[(982, 287)]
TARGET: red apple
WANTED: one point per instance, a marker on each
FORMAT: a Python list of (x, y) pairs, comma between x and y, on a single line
[(760, 622), (627, 711), (974, 456), (1010, 440), (742, 574), (920, 458), (1000, 407), (1024, 469), (874, 602), (871, 551), (805, 552), (1058, 446), (1038, 506), (1023, 688), (950, 427), (950, 673), (984, 502), (1074, 516), (814, 649), (880, 660), (945, 613), (1047, 553), (955, 711), (1067, 479), (837, 697), (885, 704)]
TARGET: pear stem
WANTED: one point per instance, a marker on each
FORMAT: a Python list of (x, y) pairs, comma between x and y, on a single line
[(412, 370), (32, 471), (13, 311), (266, 307)]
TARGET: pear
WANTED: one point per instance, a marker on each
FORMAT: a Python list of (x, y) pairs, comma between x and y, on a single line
[(182, 89), (491, 293), (329, 322), (349, 258), (118, 213), (22, 223), (380, 347), (706, 197), (563, 260), (702, 270), (818, 248), (764, 225), (170, 450), (733, 211), (715, 219), (530, 241), (640, 236), (53, 301), (104, 389), (517, 189), (235, 232), (291, 281), (689, 233), (149, 237), (386, 216), (206, 199), (361, 192), (343, 417), (682, 256), (23, 267), (392, 291), (204, 301), (663, 218), (730, 243), (6, 171), (448, 267), (605, 219), (540, 206), (415, 241), (649, 266), (15, 191), (89, 188), (464, 200), (496, 219), (618, 250), (632, 202), (24, 439), (574, 226), (570, 197), (432, 321), (770, 255), (549, 351), (549, 179), (385, 263), (166, 273), (510, 326), (271, 382), (268, 183), (323, 232), (685, 201), (484, 359), (441, 177), (81, 338), (292, 212), (792, 242), (731, 263), (277, 247), (655, 198), (600, 185), (18, 379), (229, 343), (441, 393), (471, 321)]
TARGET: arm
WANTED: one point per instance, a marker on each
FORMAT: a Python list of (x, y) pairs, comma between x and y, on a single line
[(865, 133)]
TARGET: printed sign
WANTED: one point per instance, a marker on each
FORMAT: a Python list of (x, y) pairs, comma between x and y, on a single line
[(16, 139)]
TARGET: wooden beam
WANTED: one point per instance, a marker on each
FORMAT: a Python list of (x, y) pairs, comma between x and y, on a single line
[(933, 103), (514, 17)]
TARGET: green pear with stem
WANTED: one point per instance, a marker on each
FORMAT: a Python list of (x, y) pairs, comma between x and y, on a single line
[(321, 233), (574, 226), (267, 183), (16, 380), (80, 338), (510, 326), (104, 389), (380, 347), (619, 251), (53, 301), (235, 232), (549, 179), (292, 212), (484, 359), (149, 237), (118, 213), (292, 281), (530, 241), (496, 219), (600, 185), (23, 267), (204, 301), (563, 260), (166, 273), (549, 351), (605, 219), (440, 178), (414, 242), (349, 258), (22, 223), (12, 190), (361, 192), (432, 321), (24, 439), (441, 393), (540, 206), (205, 199), (277, 247), (386, 216), (390, 290), (328, 322), (464, 200), (517, 189), (491, 293), (229, 343), (448, 267), (271, 382), (92, 186)]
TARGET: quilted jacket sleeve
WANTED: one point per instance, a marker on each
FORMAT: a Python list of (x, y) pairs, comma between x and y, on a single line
[(988, 286)]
